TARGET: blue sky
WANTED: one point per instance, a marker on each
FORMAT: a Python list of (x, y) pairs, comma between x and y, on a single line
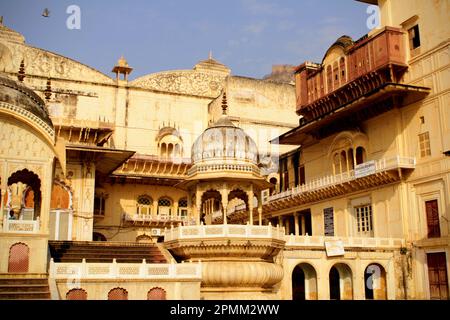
[(155, 35)]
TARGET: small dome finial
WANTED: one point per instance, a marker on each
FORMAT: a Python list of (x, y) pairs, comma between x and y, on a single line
[(210, 55), (224, 103), (21, 73)]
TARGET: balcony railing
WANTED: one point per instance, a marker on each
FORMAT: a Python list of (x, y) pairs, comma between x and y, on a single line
[(21, 226), (228, 231), (327, 181), (152, 218), (348, 242), (115, 271)]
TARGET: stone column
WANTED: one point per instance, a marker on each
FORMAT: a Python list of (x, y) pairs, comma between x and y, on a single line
[(155, 208), (259, 197), (224, 195), (198, 205), (287, 226), (296, 224), (303, 225), (250, 195), (2, 207), (175, 209)]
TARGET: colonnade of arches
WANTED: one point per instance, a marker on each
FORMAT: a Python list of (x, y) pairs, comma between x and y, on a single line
[(340, 282)]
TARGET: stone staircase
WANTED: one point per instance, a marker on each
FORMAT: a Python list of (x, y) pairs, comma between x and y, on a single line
[(19, 288), (123, 252)]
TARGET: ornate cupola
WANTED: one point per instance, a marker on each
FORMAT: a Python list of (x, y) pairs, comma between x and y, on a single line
[(122, 67)]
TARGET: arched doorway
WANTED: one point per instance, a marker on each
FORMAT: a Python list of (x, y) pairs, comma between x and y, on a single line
[(118, 294), (97, 236), (304, 282), (27, 186), (18, 258), (211, 207), (143, 238), (76, 294), (375, 282), (156, 294), (340, 282)]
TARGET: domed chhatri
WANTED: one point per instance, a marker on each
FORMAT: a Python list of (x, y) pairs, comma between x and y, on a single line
[(225, 144), (17, 95)]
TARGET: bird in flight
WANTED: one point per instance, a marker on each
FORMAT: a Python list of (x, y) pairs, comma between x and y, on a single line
[(46, 13)]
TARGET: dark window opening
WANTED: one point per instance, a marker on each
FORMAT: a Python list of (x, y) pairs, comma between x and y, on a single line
[(432, 212), (414, 37)]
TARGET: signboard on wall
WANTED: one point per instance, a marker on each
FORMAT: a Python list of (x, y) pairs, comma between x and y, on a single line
[(365, 169), (328, 220), (334, 248)]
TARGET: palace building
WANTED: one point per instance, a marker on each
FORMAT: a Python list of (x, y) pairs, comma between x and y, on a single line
[(200, 184)]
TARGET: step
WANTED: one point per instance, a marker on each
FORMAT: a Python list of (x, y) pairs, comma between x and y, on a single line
[(24, 288), (26, 295), (23, 281)]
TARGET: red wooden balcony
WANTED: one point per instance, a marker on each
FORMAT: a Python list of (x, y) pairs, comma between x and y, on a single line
[(369, 61), (362, 82)]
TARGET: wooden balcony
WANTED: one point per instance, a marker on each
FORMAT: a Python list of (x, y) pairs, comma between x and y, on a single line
[(359, 85), (372, 174)]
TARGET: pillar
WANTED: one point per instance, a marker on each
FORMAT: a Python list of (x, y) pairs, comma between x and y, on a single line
[(296, 224), (175, 209), (224, 194), (259, 197), (198, 205), (303, 225), (250, 195), (155, 208), (287, 225)]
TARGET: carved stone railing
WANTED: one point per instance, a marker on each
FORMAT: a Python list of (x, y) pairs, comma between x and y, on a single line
[(152, 218), (205, 168), (327, 181), (144, 270), (224, 231), (21, 226), (348, 242)]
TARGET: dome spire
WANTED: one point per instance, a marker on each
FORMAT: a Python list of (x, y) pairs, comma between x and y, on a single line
[(224, 103)]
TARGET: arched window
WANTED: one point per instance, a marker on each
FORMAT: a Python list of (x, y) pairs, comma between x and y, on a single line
[(144, 205), (18, 258), (343, 70), (329, 79), (164, 206), (170, 143), (118, 294), (360, 155), (183, 207), (76, 294), (156, 294), (163, 150)]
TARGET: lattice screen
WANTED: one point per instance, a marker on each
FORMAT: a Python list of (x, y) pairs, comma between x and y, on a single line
[(76, 294), (156, 294), (18, 258), (118, 294)]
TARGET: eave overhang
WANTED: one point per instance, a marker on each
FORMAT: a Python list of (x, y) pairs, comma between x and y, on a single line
[(379, 98)]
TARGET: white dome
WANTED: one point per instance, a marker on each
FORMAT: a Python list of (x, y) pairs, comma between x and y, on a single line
[(224, 141)]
